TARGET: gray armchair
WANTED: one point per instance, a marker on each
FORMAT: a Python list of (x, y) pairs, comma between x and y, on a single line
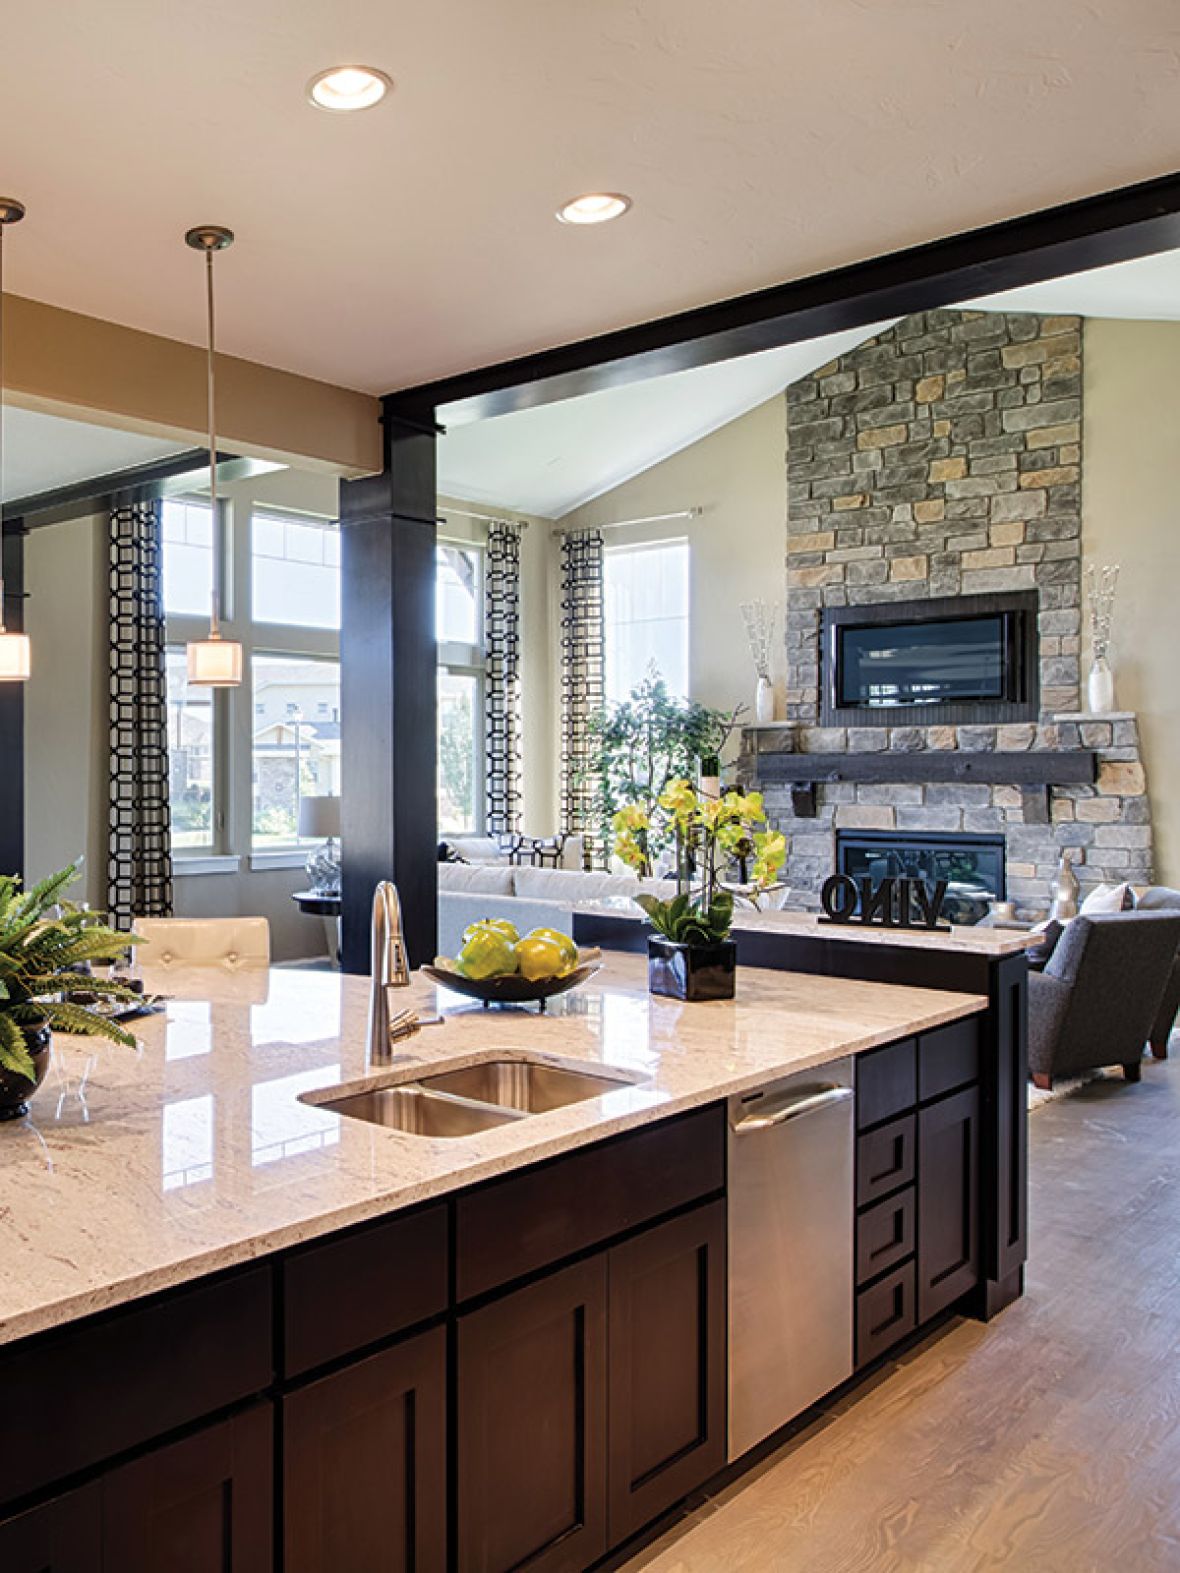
[(1100, 993), (1160, 899)]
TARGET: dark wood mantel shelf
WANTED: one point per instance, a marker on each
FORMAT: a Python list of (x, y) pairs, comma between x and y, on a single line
[(1035, 772)]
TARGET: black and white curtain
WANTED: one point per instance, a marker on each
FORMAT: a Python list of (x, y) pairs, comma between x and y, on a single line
[(139, 860), (502, 670), (583, 692)]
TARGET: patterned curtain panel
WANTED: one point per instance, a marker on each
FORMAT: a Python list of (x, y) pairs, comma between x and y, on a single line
[(139, 859), (502, 653), (583, 691)]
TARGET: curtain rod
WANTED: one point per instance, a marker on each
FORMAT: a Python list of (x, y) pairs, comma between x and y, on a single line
[(622, 524), (484, 518)]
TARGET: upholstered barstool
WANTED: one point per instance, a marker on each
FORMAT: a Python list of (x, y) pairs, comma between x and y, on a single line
[(203, 942)]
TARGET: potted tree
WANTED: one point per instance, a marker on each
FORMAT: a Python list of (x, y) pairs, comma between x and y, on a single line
[(691, 955), (44, 943)]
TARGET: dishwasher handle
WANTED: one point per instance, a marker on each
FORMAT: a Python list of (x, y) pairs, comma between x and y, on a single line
[(793, 1109)]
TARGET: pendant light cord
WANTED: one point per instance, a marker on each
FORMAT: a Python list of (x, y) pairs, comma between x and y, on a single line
[(215, 599)]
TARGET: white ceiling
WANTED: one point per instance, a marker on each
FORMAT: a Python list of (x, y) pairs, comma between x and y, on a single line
[(43, 452), (553, 458), (761, 140)]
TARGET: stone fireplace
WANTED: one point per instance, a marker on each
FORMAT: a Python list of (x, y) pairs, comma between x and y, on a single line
[(942, 461)]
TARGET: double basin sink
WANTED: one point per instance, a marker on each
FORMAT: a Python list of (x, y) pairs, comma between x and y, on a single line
[(474, 1098)]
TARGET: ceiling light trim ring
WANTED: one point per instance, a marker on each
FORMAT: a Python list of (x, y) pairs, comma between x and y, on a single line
[(376, 86)]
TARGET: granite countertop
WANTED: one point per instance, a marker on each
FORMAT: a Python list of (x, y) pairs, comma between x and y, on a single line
[(961, 938), (141, 1169)]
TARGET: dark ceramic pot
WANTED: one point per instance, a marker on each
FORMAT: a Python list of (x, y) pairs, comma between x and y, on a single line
[(691, 972), (16, 1090)]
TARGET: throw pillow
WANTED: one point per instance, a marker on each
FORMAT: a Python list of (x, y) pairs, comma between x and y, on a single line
[(1108, 898)]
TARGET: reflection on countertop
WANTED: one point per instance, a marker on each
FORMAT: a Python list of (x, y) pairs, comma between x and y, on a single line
[(140, 1169)]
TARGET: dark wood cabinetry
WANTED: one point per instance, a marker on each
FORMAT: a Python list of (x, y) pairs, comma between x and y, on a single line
[(364, 1464), (201, 1505), (948, 1201), (531, 1426), (667, 1366), (64, 1536)]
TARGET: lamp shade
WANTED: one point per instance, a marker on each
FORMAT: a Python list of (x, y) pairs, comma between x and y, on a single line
[(319, 817), (14, 657), (214, 663)]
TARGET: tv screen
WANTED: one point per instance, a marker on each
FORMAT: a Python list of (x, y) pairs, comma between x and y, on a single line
[(923, 663)]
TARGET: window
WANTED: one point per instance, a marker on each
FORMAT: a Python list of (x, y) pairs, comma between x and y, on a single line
[(190, 755), (645, 592), (295, 571), (187, 531), (296, 751), (458, 611)]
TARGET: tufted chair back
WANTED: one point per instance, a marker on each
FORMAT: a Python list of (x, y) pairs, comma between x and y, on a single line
[(231, 943)]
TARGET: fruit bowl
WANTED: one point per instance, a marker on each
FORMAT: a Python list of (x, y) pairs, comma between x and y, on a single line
[(513, 989)]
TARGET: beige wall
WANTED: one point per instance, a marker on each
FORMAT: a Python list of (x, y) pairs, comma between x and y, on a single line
[(1131, 515), (737, 476)]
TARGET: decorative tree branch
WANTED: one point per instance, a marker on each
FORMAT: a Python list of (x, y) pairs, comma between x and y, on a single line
[(1101, 584)]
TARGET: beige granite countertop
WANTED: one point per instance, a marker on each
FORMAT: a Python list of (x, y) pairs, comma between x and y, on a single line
[(989, 942), (141, 1169)]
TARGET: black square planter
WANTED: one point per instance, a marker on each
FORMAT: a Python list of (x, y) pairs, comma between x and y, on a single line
[(691, 972)]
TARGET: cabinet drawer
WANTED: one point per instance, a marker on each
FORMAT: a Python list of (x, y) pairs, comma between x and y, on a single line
[(884, 1160), (528, 1221), (948, 1058), (884, 1314), (132, 1375), (344, 1293), (885, 1235), (886, 1082)]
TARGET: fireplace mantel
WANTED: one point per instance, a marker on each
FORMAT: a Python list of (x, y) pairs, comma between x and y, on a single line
[(1039, 770)]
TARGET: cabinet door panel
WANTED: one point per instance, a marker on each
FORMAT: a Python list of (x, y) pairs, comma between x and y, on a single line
[(61, 1537), (531, 1407), (364, 1465), (948, 1201), (667, 1366), (884, 1160), (203, 1505)]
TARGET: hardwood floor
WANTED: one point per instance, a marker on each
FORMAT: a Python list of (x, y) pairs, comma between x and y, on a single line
[(1047, 1441)]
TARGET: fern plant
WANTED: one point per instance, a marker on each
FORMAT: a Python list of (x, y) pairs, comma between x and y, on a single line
[(37, 953)]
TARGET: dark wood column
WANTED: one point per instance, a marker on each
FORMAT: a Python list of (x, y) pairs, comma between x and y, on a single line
[(388, 693), (12, 715)]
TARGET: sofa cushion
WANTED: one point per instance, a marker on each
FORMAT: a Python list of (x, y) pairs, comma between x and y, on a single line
[(1159, 898), (558, 884), (478, 879), (1108, 898)]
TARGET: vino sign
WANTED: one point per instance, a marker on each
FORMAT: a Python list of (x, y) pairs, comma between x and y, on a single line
[(891, 903)]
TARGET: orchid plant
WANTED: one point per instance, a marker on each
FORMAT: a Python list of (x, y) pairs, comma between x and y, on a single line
[(708, 833)]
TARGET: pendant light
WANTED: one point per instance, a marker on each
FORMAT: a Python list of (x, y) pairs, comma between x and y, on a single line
[(14, 648), (214, 662)]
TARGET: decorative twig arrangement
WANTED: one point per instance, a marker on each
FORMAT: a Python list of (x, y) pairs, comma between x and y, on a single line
[(760, 618), (1101, 584)]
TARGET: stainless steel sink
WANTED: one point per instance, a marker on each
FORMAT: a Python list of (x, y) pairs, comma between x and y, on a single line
[(524, 1085), (419, 1112)]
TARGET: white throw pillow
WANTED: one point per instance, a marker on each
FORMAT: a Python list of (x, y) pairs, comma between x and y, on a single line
[(477, 849), (476, 879), (1108, 898)]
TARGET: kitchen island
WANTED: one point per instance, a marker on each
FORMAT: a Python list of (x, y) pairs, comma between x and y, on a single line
[(246, 1331)]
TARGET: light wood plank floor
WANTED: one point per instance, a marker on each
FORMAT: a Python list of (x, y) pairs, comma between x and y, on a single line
[(1047, 1441)]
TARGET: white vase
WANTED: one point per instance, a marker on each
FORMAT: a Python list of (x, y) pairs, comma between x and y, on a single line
[(764, 702), (1100, 688)]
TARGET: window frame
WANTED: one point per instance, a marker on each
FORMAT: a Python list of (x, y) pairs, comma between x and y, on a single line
[(459, 659)]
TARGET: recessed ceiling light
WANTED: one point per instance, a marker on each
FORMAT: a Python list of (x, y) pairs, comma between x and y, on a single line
[(596, 207), (344, 88)]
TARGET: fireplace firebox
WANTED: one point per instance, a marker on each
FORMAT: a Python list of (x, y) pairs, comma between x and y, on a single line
[(973, 866), (960, 660)]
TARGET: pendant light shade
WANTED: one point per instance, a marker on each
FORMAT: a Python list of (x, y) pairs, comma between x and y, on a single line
[(15, 652), (214, 662)]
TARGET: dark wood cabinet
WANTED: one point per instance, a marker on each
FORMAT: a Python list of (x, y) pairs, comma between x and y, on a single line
[(201, 1505), (364, 1464), (948, 1201), (61, 1537), (530, 1417), (667, 1366)]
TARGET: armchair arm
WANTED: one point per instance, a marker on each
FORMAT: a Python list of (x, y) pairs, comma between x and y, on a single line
[(1048, 1001)]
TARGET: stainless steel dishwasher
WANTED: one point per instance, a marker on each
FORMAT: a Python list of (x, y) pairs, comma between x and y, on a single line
[(790, 1248)]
